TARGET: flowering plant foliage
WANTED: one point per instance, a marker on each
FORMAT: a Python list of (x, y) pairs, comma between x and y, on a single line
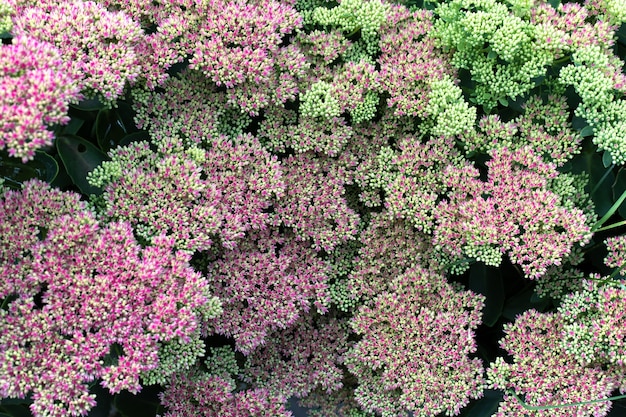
[(345, 203)]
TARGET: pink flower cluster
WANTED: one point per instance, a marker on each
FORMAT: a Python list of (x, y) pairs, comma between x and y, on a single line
[(414, 354), (513, 212), (222, 192), (616, 258), (297, 361), (87, 303), (409, 61), (390, 247), (36, 89), (205, 395), (97, 46), (267, 283), (314, 204), (544, 373)]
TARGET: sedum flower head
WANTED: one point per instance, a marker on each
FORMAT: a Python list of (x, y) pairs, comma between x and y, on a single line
[(314, 203), (595, 324), (502, 51), (300, 359), (390, 247), (318, 101), (451, 114), (97, 46), (544, 373), (514, 212), (193, 195), (36, 90), (6, 13), (414, 354), (204, 395), (409, 61), (175, 356), (365, 16), (103, 304), (266, 284), (616, 257), (544, 127)]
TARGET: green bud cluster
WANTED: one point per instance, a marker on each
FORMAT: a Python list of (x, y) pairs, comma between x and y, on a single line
[(319, 101), (174, 356), (591, 74), (451, 114), (125, 156), (6, 13), (500, 49), (365, 110), (352, 16)]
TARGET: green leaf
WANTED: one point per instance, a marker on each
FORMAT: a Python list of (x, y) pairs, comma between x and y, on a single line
[(15, 173), (586, 131), (492, 55), (619, 186), (484, 407), (621, 34), (488, 282), (579, 123), (554, 3), (134, 137), (590, 161), (16, 410), (80, 157), (503, 101), (89, 105), (144, 404), (522, 302), (73, 126), (14, 401), (607, 159), (112, 125)]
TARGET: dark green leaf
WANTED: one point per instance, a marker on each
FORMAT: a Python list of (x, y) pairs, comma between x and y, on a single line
[(73, 126), (619, 186), (89, 105), (488, 282), (15, 173), (16, 410), (134, 137), (112, 125), (586, 131), (14, 401), (578, 123), (590, 161), (144, 404), (503, 101), (80, 157), (521, 302), (607, 159), (486, 406), (492, 55), (621, 34), (554, 3), (104, 402)]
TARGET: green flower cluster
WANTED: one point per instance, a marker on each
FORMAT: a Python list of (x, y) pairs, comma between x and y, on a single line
[(352, 16), (597, 77), (452, 115), (545, 127), (318, 101), (6, 13), (500, 49), (174, 356)]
